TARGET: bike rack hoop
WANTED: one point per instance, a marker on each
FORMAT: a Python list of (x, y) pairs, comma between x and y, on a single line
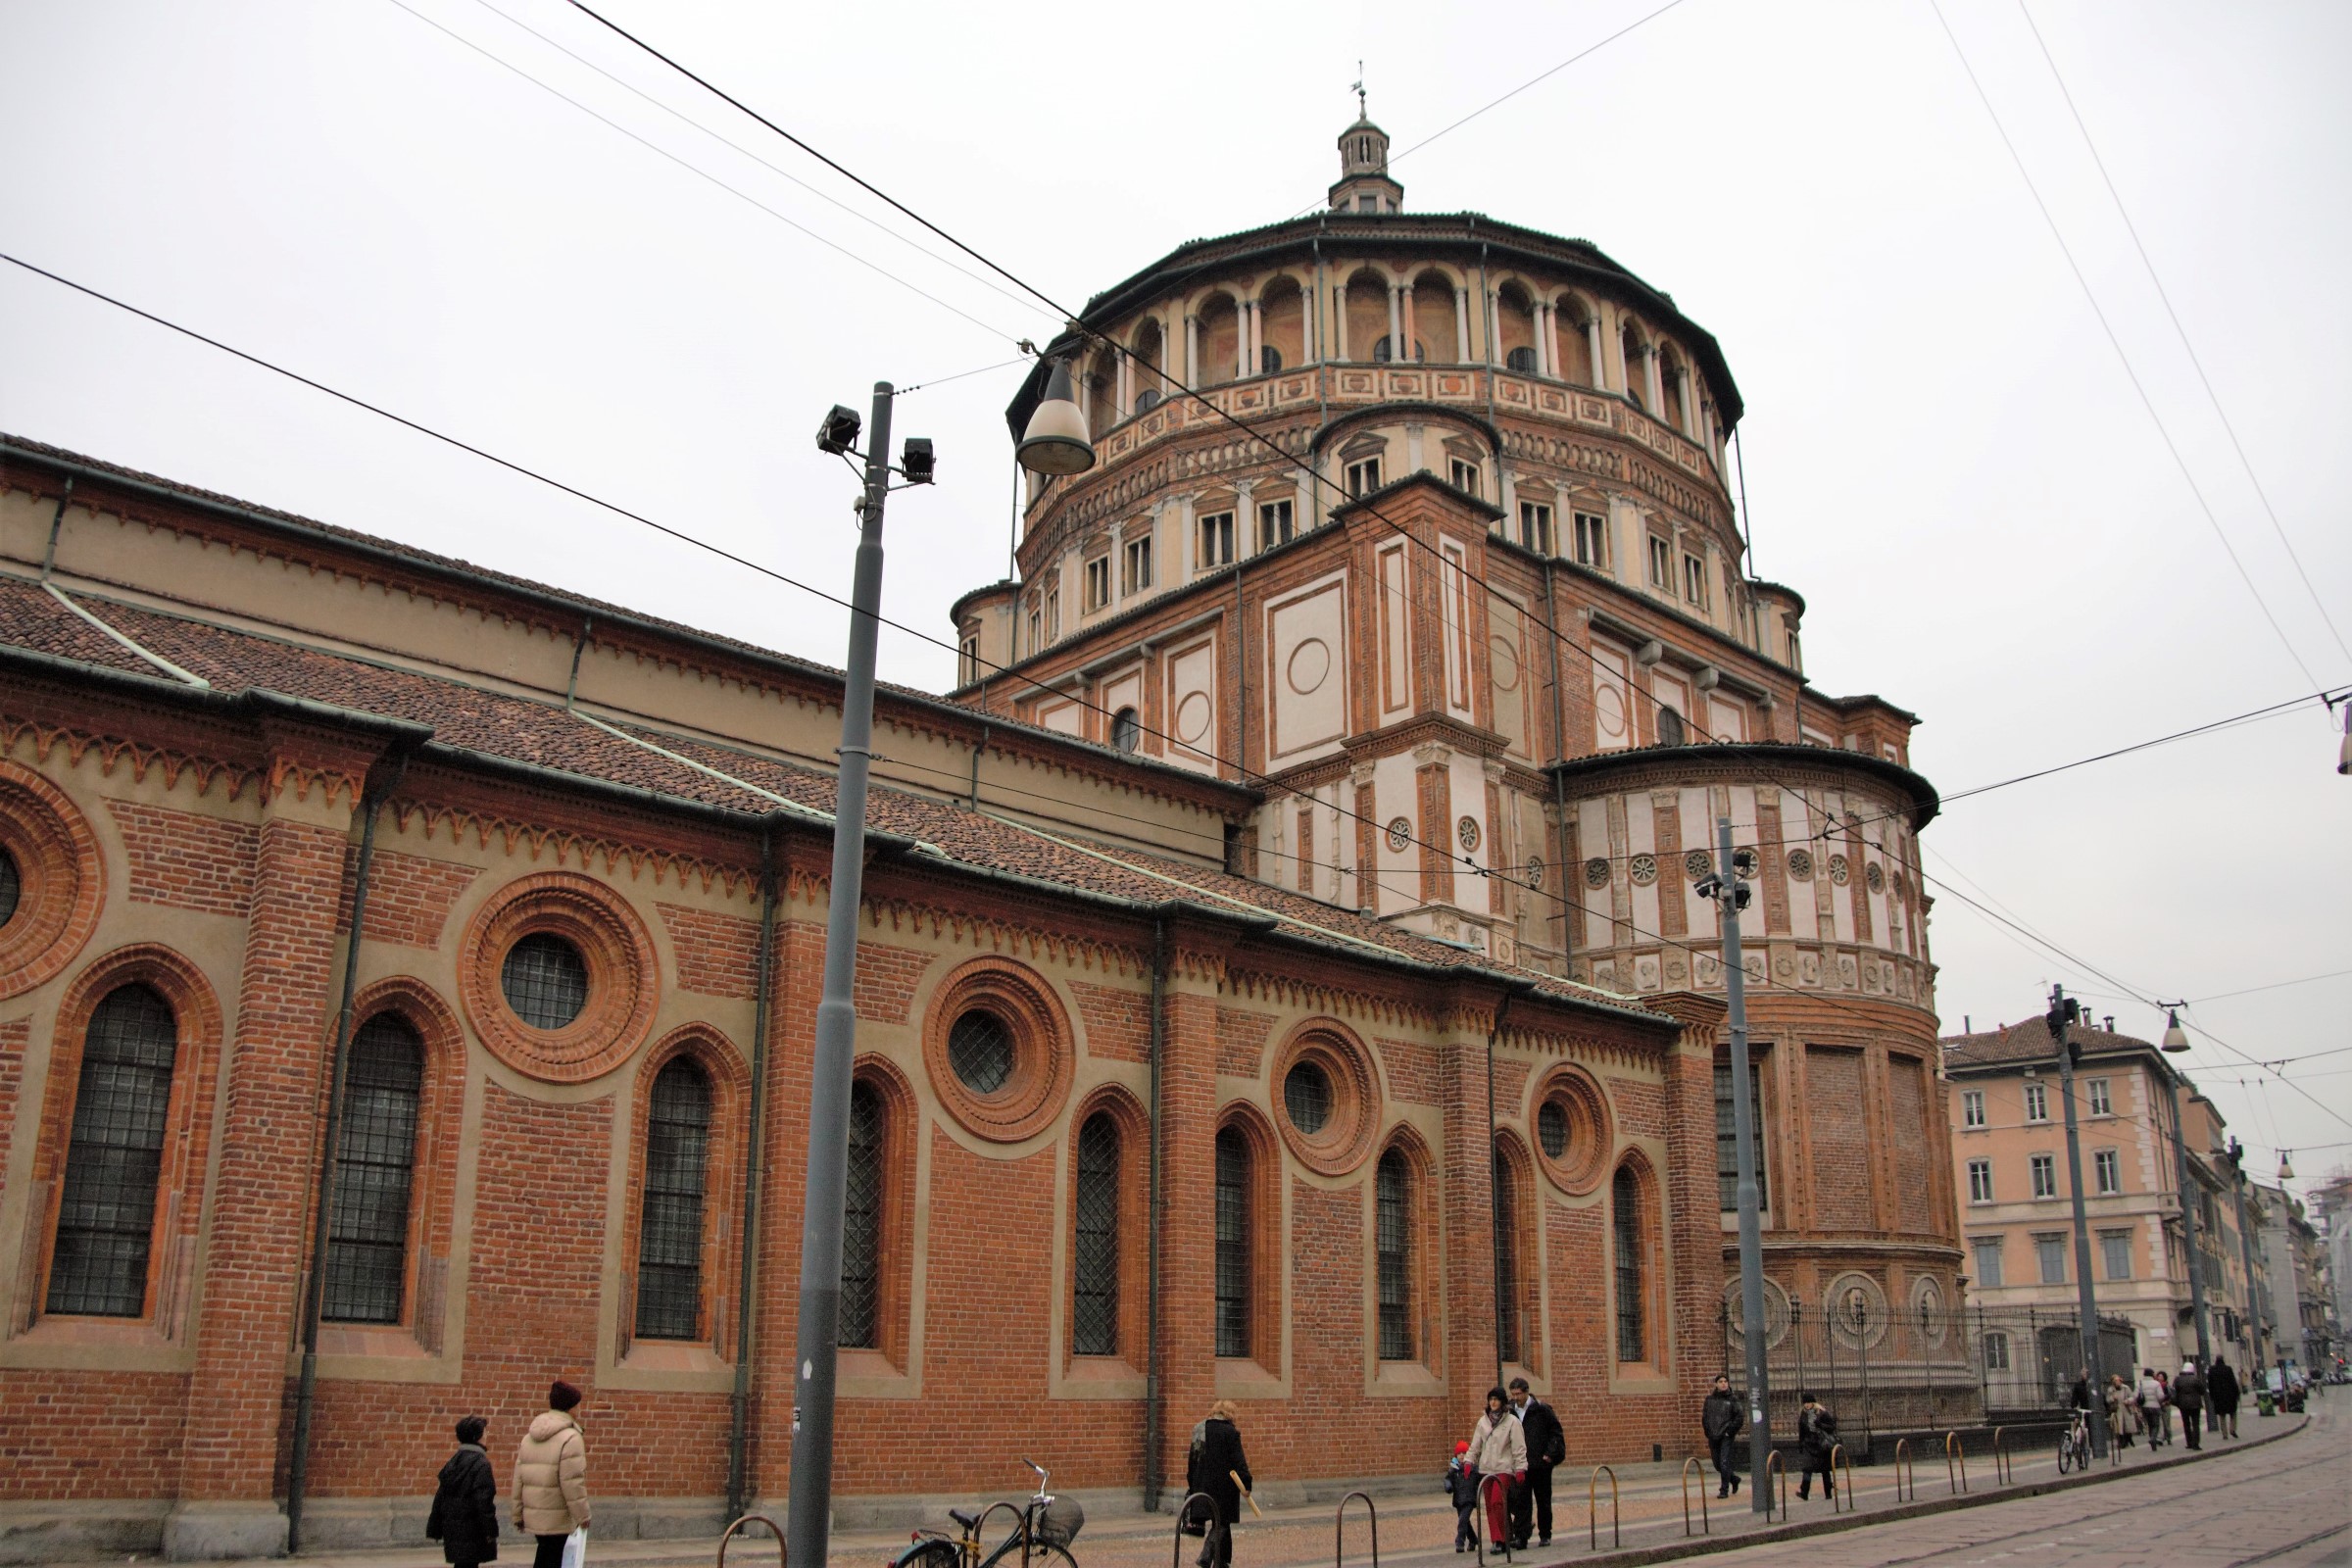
[(2004, 1471), (1184, 1511), (1838, 1456), (1775, 1464), (773, 1528), (1705, 1527), (1903, 1466), (1954, 1447), (1593, 1511), (1339, 1527)]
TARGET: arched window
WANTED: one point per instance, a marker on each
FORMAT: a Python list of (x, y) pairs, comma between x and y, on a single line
[(861, 1218), (1096, 1262), (1393, 1242), (1509, 1329), (1233, 1257), (1573, 333), (1671, 729), (375, 1157), (105, 1212), (1127, 730), (1625, 1223), (1436, 321), (1522, 359), (670, 1231), (1147, 400)]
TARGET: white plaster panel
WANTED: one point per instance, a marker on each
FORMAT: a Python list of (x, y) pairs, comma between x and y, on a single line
[(1454, 607), (1508, 676), (1306, 641), (1192, 705), (1612, 697), (1395, 632)]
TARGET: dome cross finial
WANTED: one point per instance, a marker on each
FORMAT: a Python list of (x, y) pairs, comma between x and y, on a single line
[(1364, 108)]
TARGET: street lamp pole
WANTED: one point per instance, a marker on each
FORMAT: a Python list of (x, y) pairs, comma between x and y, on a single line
[(807, 1518), (1731, 897), (2175, 1042), (2064, 1011)]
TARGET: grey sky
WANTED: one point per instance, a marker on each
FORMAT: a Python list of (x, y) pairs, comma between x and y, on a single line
[(1943, 454)]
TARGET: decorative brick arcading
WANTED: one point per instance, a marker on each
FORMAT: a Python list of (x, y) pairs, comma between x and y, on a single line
[(186, 860)]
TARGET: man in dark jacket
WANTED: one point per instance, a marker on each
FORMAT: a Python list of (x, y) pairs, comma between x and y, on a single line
[(1721, 1418), (1816, 1442), (2188, 1397), (2221, 1397), (1546, 1449), (465, 1516), (1219, 1471)]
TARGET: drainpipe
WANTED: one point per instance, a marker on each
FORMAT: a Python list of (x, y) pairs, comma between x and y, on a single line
[(314, 1300), (1154, 1412), (56, 521), (1560, 744), (978, 752), (1494, 1209), (755, 1166)]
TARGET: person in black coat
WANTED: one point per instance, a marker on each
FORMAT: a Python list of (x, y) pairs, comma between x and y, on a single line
[(465, 1516), (1721, 1419), (1816, 1442), (2221, 1397), (1219, 1471), (1546, 1449)]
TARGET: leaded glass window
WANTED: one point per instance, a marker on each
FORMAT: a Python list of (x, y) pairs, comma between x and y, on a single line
[(1097, 1326), (1727, 1136), (1624, 1206), (115, 1156), (861, 1222), (12, 887), (1506, 1262), (980, 1052), (545, 980), (1233, 1242), (368, 1235), (670, 1234), (1307, 1097), (1392, 1244)]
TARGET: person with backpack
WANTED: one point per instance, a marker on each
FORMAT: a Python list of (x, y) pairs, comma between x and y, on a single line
[(1546, 1450)]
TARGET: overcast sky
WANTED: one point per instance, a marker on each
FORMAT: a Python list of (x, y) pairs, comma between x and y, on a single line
[(1944, 453)]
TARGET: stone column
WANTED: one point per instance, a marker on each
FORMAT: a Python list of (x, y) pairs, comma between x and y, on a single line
[(1192, 349), (1657, 391), (1339, 323), (1461, 324), (1413, 328), (1245, 329), (1545, 359), (247, 1322), (1398, 350), (1600, 374)]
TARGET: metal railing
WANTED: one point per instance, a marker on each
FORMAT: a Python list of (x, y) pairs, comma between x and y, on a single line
[(1593, 1509), (773, 1528), (1704, 1528), (1339, 1528)]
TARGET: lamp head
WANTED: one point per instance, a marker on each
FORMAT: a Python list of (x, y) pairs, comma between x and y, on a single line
[(2175, 1038), (2286, 1166), (1056, 441), (839, 430)]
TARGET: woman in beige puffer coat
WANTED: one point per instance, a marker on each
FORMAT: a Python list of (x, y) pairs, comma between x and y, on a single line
[(551, 1476)]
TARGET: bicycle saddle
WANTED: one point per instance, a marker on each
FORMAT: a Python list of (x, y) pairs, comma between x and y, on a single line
[(966, 1520)]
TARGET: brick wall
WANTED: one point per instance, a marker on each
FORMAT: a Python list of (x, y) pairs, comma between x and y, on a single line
[(187, 861), (1839, 1148), (410, 896)]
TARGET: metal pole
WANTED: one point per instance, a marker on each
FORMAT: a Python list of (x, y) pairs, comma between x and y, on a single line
[(810, 1509), (2085, 1298), (1743, 1134), (2188, 1225)]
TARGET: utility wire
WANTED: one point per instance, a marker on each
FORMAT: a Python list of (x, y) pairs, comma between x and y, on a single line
[(2182, 332), (2115, 343), (2275, 985), (704, 173)]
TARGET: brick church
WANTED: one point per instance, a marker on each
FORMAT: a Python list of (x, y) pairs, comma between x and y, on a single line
[(1281, 982)]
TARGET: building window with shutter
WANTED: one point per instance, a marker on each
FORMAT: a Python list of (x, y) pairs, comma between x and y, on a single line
[(1233, 1256), (1393, 1242), (113, 1158), (2049, 1252), (1972, 1107), (1096, 1258), (2115, 1254), (375, 1154), (669, 1228), (1987, 1252)]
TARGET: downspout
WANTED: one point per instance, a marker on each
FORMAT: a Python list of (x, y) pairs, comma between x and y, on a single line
[(1494, 1209), (1560, 748), (56, 521), (313, 1302), (978, 752), (1154, 1413), (754, 1168)]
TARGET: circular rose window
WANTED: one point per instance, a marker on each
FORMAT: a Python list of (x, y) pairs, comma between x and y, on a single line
[(997, 1044), (1401, 833), (1329, 1097), (559, 977), (51, 880), (1597, 872), (1573, 1133)]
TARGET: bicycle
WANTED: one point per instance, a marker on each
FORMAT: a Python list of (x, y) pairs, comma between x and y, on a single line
[(1046, 1525), (2073, 1449)]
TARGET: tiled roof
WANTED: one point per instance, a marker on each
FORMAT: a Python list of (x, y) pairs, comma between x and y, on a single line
[(2029, 1042), (544, 735)]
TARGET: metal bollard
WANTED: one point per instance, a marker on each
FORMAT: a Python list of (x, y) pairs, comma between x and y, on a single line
[(1593, 1509), (1955, 1447), (1903, 1466), (1704, 1528), (773, 1528), (1339, 1528), (1776, 1465)]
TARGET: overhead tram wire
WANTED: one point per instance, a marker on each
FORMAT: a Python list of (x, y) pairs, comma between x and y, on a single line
[(2181, 332), (2115, 343), (695, 170)]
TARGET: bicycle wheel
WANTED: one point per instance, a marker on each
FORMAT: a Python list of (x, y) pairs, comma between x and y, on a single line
[(934, 1555), (1051, 1557), (2066, 1453)]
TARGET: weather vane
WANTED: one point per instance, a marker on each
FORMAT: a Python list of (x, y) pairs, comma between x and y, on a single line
[(1361, 111)]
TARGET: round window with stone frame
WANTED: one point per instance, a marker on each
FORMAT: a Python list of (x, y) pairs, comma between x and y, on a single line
[(545, 981), (1573, 1131), (1401, 834), (1597, 872), (1839, 873), (1800, 865), (1465, 833), (997, 1048), (1698, 865), (1874, 877), (1307, 1097), (1645, 869), (1535, 870), (1327, 1102)]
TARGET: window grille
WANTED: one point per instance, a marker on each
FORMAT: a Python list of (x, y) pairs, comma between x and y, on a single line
[(1306, 1097), (1097, 1263), (1625, 1214), (1506, 1263), (1233, 1242), (669, 1232), (106, 1213), (12, 887), (1551, 1128), (1392, 1235), (980, 1052), (367, 1241), (1127, 732), (861, 1222), (1727, 1136), (545, 980)]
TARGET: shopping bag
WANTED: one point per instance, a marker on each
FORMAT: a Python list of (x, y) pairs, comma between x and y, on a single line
[(575, 1548)]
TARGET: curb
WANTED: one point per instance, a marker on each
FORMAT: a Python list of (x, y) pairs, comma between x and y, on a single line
[(1703, 1546)]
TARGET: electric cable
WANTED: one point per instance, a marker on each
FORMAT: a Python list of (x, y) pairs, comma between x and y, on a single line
[(2276, 985), (2182, 332), (2116, 344)]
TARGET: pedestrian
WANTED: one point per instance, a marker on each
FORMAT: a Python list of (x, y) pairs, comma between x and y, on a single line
[(2123, 1409), (2188, 1393), (2221, 1397), (2078, 1397), (551, 1476), (465, 1516), (1220, 1472), (1498, 1452), (1461, 1486), (1721, 1418), (2153, 1411), (1816, 1442), (1546, 1450)]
